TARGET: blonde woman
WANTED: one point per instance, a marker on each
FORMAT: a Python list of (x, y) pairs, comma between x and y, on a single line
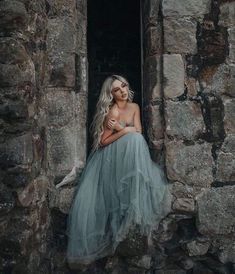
[(120, 186)]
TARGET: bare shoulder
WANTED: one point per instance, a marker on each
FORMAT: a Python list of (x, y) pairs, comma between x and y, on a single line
[(113, 112), (134, 106)]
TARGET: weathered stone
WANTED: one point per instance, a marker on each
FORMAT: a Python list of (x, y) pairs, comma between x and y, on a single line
[(231, 40), (60, 106), (61, 42), (82, 6), (196, 9), (184, 204), (211, 50), (229, 115), (216, 211), (81, 78), (134, 244), (152, 78), (61, 199), (13, 15), (189, 164), (180, 35), (227, 14), (221, 81), (62, 149), (155, 128), (81, 34), (165, 232), (227, 251), (171, 269), (191, 85), (16, 67), (61, 8), (17, 151), (140, 261), (153, 39), (173, 69), (179, 117), (226, 160), (34, 193), (197, 247), (186, 263), (7, 201), (180, 190), (13, 110), (151, 10)]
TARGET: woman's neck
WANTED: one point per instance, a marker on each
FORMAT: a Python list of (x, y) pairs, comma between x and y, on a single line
[(121, 104)]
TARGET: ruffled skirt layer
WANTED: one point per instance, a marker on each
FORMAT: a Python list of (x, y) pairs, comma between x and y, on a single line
[(120, 187)]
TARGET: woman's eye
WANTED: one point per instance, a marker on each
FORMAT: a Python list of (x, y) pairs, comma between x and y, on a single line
[(124, 85)]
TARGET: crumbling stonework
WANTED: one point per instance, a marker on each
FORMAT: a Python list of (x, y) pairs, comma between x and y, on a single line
[(188, 105)]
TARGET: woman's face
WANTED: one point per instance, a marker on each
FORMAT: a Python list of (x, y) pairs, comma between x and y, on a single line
[(119, 90)]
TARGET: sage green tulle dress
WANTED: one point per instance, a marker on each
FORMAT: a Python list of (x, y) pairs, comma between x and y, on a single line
[(120, 187)]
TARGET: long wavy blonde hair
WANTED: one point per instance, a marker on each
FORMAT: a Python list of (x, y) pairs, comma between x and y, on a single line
[(105, 102)]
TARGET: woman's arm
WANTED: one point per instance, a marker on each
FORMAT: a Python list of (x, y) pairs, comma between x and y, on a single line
[(105, 140), (137, 122)]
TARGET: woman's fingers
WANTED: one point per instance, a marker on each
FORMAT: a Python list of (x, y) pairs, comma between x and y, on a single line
[(111, 123)]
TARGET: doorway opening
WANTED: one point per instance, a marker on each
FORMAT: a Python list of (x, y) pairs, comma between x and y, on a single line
[(114, 47)]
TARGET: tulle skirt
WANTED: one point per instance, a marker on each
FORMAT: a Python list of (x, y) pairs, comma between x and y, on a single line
[(120, 187)]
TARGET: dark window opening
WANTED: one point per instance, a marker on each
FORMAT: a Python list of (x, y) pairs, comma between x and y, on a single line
[(114, 47)]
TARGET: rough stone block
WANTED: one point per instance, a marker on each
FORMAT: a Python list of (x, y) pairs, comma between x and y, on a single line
[(153, 38), (180, 190), (197, 247), (13, 15), (216, 209), (61, 8), (82, 74), (60, 106), (189, 164), (219, 80), (61, 199), (173, 69), (179, 117), (16, 66), (191, 86), (226, 160), (229, 116), (152, 78), (150, 11), (227, 14), (155, 129), (231, 40), (61, 43), (180, 35), (194, 8), (226, 252), (17, 151), (81, 39), (34, 193), (82, 6), (184, 205), (63, 152), (7, 201)]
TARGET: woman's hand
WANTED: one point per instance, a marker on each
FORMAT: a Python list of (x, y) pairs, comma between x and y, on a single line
[(111, 123), (114, 124)]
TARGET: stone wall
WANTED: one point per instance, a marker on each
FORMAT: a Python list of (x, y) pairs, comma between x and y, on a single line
[(43, 82), (188, 102)]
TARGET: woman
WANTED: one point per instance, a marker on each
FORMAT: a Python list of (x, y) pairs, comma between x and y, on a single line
[(120, 186)]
